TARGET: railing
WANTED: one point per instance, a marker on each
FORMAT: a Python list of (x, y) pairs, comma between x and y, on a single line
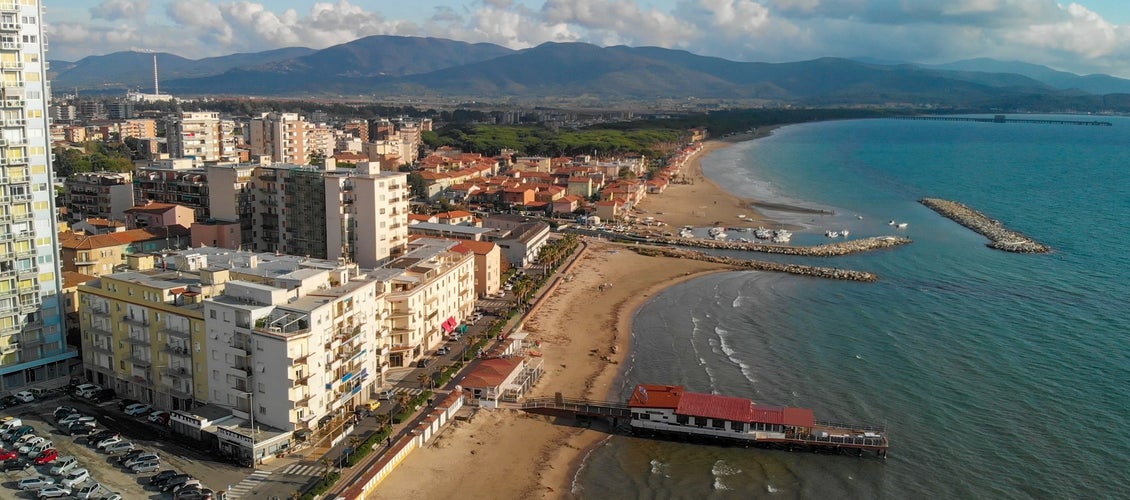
[(851, 427), (183, 352), (173, 332), (178, 372), (854, 440), (138, 340), (582, 406), (129, 320), (301, 360)]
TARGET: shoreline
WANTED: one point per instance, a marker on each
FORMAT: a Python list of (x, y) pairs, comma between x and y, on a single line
[(586, 358)]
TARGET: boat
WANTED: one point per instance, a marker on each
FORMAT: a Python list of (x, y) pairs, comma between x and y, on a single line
[(716, 231), (762, 233), (892, 223), (902, 225), (832, 234), (782, 236), (845, 233), (860, 217)]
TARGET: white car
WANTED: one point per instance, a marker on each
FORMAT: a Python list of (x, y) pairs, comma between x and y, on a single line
[(54, 492), (75, 417), (86, 390), (112, 440), (31, 443), (25, 396), (159, 417), (122, 447), (75, 477), (138, 409), (35, 483)]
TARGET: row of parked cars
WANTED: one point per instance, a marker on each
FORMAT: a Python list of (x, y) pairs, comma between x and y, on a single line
[(23, 449)]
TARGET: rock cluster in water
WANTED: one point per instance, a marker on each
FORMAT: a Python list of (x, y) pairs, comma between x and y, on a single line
[(825, 250), (1000, 237), (756, 265)]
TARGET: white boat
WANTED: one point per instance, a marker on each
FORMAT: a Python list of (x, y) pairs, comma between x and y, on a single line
[(902, 225), (845, 233), (762, 233), (832, 234), (892, 223), (782, 236), (860, 217)]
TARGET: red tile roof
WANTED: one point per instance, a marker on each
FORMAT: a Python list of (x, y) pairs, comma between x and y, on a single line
[(656, 396), (693, 404), (716, 407), (492, 372)]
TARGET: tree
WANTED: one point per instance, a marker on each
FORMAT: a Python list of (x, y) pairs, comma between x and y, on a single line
[(383, 419), (426, 380), (418, 185), (317, 158)]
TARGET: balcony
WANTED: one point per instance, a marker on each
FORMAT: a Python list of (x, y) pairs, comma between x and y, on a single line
[(303, 401), (302, 379), (301, 360), (176, 333), (9, 27), (139, 361), (105, 349), (178, 351), (178, 372), (102, 313), (100, 332), (11, 103), (130, 320)]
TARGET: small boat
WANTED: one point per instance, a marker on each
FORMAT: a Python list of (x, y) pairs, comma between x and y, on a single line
[(762, 233), (845, 233), (892, 223), (902, 225), (832, 234), (860, 217), (782, 236)]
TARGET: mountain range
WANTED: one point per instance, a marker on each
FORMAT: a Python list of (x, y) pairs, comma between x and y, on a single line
[(394, 65)]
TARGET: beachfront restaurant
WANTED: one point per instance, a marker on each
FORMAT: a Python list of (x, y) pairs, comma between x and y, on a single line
[(499, 380)]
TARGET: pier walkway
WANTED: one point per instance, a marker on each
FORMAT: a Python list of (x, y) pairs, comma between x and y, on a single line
[(570, 407), (1003, 119)]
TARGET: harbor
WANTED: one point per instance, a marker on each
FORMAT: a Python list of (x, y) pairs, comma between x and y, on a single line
[(836, 249), (673, 412), (1000, 237), (758, 265)]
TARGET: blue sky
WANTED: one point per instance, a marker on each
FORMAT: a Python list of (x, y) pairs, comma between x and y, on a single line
[(1085, 36)]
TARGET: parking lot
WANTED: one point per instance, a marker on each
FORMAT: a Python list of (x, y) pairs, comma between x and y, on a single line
[(105, 469)]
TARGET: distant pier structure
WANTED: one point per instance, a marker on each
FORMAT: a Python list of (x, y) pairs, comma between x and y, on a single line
[(1005, 119)]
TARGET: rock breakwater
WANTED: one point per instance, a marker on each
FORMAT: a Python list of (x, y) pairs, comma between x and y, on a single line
[(757, 265), (1000, 237), (826, 250)]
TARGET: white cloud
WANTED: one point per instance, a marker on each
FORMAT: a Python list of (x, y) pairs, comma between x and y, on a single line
[(120, 9), (1063, 36)]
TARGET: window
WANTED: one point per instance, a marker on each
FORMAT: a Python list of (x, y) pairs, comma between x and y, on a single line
[(700, 421), (682, 419), (717, 423), (212, 314), (737, 426)]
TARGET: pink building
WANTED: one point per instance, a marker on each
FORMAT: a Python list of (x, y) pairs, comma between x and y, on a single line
[(218, 234), (153, 214)]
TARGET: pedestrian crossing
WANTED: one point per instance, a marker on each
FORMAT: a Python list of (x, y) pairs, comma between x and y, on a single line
[(301, 469), (248, 484), (411, 391)]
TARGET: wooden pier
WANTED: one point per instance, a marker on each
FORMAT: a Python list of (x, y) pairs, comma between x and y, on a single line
[(1004, 119)]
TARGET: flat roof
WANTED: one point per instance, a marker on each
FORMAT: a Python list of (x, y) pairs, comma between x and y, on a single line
[(450, 228)]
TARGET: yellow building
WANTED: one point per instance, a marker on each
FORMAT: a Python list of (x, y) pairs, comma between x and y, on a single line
[(143, 336)]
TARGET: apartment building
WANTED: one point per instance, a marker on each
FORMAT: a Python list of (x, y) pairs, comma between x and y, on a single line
[(104, 195), (202, 135), (33, 350), (435, 290), (366, 214), (231, 208), (281, 136), (177, 181)]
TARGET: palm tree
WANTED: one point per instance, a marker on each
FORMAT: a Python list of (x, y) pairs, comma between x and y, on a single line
[(326, 462), (383, 419), (425, 380), (402, 399)]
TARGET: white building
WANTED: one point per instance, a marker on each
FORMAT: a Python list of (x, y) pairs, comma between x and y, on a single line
[(366, 214), (33, 348), (202, 135), (282, 136)]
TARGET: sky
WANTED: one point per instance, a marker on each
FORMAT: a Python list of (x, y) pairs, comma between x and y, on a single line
[(1086, 36)]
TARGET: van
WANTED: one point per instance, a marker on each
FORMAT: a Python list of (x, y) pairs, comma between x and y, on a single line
[(86, 390), (11, 424), (63, 465)]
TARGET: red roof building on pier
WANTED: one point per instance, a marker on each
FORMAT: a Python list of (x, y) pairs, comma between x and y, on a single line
[(692, 404)]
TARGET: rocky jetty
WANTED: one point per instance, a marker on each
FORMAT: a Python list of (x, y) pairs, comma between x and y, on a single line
[(757, 265), (826, 250), (1000, 237)]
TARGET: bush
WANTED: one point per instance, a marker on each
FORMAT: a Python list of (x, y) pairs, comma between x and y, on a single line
[(323, 485), (366, 447)]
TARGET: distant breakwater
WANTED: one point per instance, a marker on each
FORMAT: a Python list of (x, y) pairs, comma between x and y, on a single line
[(1000, 237), (757, 265), (826, 250)]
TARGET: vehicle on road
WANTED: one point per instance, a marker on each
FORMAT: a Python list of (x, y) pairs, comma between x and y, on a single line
[(54, 492), (35, 483), (386, 395), (138, 409), (423, 362), (75, 477), (443, 350)]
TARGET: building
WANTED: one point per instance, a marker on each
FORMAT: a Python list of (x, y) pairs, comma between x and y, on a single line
[(526, 237), (104, 195), (177, 181), (202, 135), (33, 348), (488, 265), (153, 214), (101, 254), (366, 214), (230, 206), (281, 136)]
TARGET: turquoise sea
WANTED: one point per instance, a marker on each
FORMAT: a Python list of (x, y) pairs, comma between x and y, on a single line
[(997, 375)]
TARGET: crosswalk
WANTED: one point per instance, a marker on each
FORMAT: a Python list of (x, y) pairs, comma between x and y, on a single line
[(301, 469), (411, 391), (248, 484)]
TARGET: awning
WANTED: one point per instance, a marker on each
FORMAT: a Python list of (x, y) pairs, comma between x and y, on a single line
[(449, 324)]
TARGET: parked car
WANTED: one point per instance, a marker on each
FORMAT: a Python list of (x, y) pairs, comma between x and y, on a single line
[(386, 395), (30, 443), (140, 457), (10, 401), (89, 490), (195, 494), (120, 447), (46, 456), (63, 465), (24, 438), (443, 350), (138, 409), (127, 402), (35, 483), (10, 423), (191, 484), (141, 467), (17, 464), (81, 430), (86, 390), (423, 362), (131, 455), (160, 477), (18, 432), (175, 481), (54, 492), (32, 451), (160, 417), (77, 418), (63, 411), (103, 395), (25, 396), (110, 441), (102, 435), (75, 477), (6, 455)]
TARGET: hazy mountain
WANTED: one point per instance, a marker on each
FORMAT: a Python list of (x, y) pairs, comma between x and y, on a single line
[(122, 70), (386, 56), (1093, 84)]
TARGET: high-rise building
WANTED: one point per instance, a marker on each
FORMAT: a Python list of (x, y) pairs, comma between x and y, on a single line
[(102, 195), (282, 136), (202, 135), (33, 349)]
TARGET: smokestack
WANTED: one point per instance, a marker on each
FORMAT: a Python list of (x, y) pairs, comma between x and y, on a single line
[(156, 88)]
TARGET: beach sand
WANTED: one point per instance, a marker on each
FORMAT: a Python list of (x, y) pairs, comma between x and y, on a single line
[(507, 454)]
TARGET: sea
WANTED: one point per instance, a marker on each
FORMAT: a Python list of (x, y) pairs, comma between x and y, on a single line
[(996, 375)]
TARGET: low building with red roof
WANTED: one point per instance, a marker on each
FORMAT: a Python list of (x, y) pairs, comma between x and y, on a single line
[(671, 408), (499, 380)]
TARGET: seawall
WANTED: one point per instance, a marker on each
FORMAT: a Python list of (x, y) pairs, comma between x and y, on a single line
[(1000, 237), (826, 250), (757, 265)]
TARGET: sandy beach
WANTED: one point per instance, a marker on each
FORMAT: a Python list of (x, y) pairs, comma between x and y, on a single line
[(585, 335)]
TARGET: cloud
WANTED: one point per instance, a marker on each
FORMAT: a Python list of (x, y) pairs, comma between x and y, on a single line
[(1068, 36), (114, 10)]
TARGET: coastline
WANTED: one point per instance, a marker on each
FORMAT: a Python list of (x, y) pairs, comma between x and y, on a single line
[(509, 454)]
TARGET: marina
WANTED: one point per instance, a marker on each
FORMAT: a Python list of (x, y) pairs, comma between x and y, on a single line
[(672, 411)]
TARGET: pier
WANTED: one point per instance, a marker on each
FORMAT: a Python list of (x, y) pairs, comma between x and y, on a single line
[(1004, 119), (758, 265), (664, 411), (836, 249), (1000, 237)]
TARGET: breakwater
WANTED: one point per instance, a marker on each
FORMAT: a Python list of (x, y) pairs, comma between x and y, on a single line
[(1000, 237), (826, 250), (757, 265)]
